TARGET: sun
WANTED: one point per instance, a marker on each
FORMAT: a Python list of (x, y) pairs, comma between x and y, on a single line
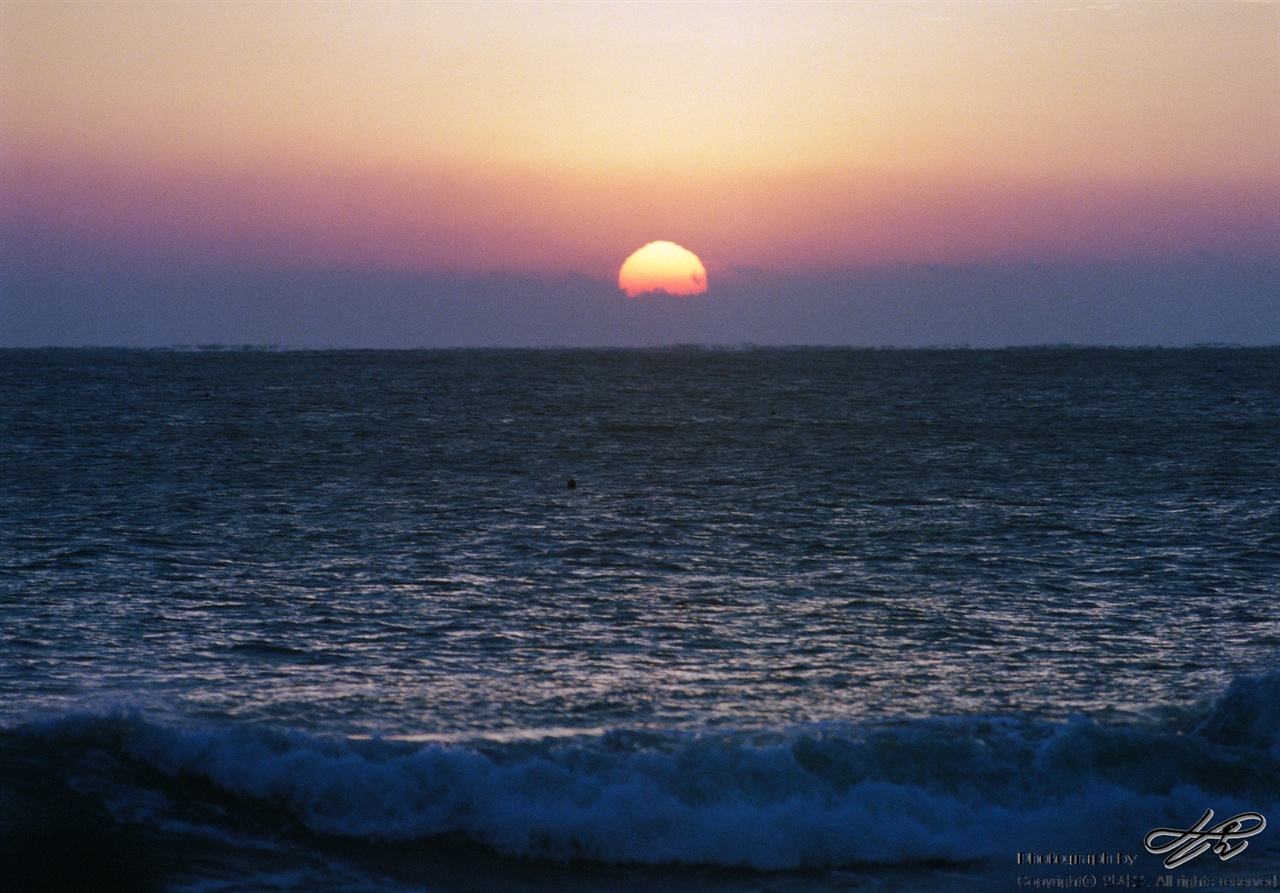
[(663, 267)]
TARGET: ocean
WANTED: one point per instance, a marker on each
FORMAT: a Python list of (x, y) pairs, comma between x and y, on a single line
[(685, 618)]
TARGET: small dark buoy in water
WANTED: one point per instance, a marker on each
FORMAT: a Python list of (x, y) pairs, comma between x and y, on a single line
[(572, 484)]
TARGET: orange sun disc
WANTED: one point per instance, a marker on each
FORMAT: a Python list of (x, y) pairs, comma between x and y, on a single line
[(663, 267)]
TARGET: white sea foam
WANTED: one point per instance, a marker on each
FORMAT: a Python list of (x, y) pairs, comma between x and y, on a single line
[(951, 790)]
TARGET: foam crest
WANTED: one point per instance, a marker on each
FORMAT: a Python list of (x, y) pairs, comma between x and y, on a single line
[(949, 790), (1248, 714)]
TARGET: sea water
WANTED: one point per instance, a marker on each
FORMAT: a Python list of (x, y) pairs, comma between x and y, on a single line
[(754, 619)]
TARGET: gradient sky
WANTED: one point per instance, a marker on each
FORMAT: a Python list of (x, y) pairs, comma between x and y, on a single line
[(551, 139)]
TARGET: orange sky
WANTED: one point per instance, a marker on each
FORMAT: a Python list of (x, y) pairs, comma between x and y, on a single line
[(562, 136)]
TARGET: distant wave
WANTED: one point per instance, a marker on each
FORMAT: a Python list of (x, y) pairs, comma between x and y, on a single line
[(921, 791)]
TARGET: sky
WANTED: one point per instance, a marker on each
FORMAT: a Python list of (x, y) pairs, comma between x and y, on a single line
[(454, 174)]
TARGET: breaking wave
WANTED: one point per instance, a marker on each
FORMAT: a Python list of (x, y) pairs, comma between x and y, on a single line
[(919, 791)]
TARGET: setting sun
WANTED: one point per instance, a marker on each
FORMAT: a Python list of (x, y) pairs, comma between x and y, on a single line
[(662, 267)]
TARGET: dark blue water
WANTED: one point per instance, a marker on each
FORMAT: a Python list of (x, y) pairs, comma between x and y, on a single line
[(816, 615)]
